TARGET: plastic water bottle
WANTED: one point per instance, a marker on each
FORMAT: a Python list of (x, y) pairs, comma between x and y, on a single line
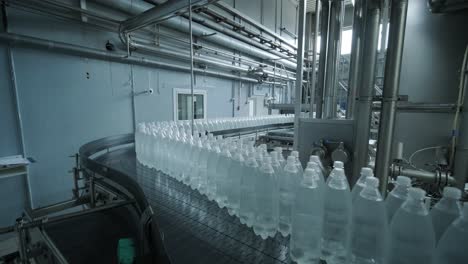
[(213, 158), (369, 225), (397, 196), (336, 165), (316, 159), (306, 228), (337, 217), (446, 210), (361, 182), (288, 182), (452, 245), (412, 237), (315, 166), (295, 154), (222, 169), (281, 158), (234, 181), (266, 207), (247, 196)]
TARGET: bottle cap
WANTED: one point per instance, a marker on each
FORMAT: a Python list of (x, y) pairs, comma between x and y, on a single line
[(309, 175), (365, 171), (416, 193), (278, 149), (452, 192), (295, 153), (314, 158), (312, 164), (403, 180), (372, 182), (338, 164), (291, 159)]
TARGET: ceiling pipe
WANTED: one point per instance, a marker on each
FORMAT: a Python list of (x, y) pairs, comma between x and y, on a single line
[(390, 91), (158, 14), (181, 24), (333, 58), (243, 17), (366, 82), (313, 75), (26, 41)]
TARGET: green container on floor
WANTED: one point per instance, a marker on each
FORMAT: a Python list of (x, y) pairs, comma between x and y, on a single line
[(126, 251)]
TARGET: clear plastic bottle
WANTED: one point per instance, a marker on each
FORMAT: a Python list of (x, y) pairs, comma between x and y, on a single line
[(336, 165), (247, 196), (361, 182), (412, 237), (266, 207), (306, 228), (337, 218), (369, 225), (234, 181), (288, 183), (452, 245), (446, 210), (203, 165), (222, 169), (295, 154), (213, 158), (315, 166), (397, 196), (316, 159)]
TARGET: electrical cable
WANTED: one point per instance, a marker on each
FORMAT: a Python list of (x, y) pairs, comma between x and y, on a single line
[(460, 101)]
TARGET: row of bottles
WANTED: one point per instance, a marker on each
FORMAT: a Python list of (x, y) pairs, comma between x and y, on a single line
[(217, 124), (326, 220)]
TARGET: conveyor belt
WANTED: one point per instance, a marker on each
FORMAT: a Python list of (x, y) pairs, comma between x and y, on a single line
[(194, 229)]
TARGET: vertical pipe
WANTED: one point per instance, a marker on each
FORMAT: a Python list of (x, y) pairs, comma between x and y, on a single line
[(356, 49), (366, 83), (322, 71), (192, 105), (300, 70), (314, 57), (396, 38), (333, 57)]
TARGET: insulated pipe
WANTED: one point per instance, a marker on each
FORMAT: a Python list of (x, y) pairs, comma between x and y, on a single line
[(355, 61), (366, 77), (390, 91), (26, 41), (300, 70), (181, 24), (322, 71), (333, 58)]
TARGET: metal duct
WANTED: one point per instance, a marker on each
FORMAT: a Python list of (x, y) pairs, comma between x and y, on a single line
[(390, 91), (322, 71), (136, 7), (26, 41), (366, 77), (333, 57)]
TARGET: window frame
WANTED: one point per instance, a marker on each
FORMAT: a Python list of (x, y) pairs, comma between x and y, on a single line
[(175, 101)]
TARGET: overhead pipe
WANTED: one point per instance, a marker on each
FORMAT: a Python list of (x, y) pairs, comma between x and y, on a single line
[(219, 28), (26, 41), (300, 70), (391, 86), (333, 57), (243, 17), (366, 82), (181, 24), (158, 14), (322, 70), (355, 60)]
